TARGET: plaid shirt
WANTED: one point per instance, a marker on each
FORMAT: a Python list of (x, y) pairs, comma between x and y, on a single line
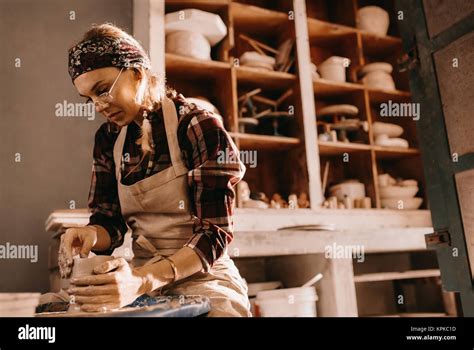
[(202, 138)]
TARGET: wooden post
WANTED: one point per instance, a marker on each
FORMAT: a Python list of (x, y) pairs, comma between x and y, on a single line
[(307, 101)]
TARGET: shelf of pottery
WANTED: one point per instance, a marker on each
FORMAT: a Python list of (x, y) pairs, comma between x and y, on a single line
[(240, 60), (368, 150)]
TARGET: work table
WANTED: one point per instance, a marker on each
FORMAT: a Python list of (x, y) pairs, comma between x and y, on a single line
[(261, 232), (271, 233)]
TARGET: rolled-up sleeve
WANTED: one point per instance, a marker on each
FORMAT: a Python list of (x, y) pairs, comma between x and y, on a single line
[(215, 168), (103, 199)]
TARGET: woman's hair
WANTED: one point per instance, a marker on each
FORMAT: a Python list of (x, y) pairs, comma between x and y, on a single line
[(156, 87)]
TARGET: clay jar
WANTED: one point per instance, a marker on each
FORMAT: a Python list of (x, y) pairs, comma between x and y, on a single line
[(373, 19), (189, 44), (334, 68)]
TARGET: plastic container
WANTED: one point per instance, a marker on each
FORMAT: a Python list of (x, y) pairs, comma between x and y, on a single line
[(288, 302)]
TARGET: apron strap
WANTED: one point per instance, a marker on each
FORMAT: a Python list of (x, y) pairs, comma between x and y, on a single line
[(170, 119), (118, 150)]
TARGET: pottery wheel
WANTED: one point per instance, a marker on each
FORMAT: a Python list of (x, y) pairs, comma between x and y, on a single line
[(146, 306)]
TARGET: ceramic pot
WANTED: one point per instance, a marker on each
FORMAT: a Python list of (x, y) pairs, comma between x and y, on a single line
[(373, 19), (188, 44), (379, 80), (334, 68)]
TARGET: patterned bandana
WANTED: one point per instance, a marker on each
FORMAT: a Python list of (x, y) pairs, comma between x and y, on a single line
[(105, 52)]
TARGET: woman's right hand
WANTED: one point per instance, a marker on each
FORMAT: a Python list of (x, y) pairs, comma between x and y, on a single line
[(77, 240)]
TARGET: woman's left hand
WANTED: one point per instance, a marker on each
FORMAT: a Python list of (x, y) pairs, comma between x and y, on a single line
[(115, 285)]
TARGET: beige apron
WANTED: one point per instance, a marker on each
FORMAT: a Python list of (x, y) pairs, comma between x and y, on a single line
[(158, 211)]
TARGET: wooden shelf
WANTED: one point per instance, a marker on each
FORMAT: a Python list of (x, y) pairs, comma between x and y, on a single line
[(327, 148), (269, 79), (380, 96), (259, 20), (391, 276), (390, 152), (379, 46), (325, 31), (265, 142), (324, 87), (207, 5), (198, 68)]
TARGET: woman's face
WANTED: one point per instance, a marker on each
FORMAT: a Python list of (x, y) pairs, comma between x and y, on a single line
[(122, 109)]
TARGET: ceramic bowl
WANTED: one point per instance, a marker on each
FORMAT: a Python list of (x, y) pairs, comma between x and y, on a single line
[(398, 191), (386, 180), (403, 203), (385, 141), (339, 109), (379, 80), (391, 130), (375, 67)]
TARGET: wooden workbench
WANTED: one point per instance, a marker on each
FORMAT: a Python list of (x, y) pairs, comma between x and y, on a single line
[(258, 233)]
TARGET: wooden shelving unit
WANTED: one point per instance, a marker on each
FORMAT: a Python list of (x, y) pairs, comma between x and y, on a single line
[(295, 162), (265, 142), (279, 80), (323, 87), (402, 285), (391, 276), (327, 148), (331, 31)]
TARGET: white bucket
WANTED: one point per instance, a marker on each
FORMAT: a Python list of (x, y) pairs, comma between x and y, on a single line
[(289, 302)]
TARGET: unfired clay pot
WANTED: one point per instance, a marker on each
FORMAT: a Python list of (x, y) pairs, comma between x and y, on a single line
[(379, 80), (373, 19), (334, 68), (188, 44)]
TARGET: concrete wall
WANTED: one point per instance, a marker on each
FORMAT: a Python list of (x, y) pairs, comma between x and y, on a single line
[(56, 152)]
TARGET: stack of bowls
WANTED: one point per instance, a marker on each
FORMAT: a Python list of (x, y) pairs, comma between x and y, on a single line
[(378, 76), (398, 194)]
